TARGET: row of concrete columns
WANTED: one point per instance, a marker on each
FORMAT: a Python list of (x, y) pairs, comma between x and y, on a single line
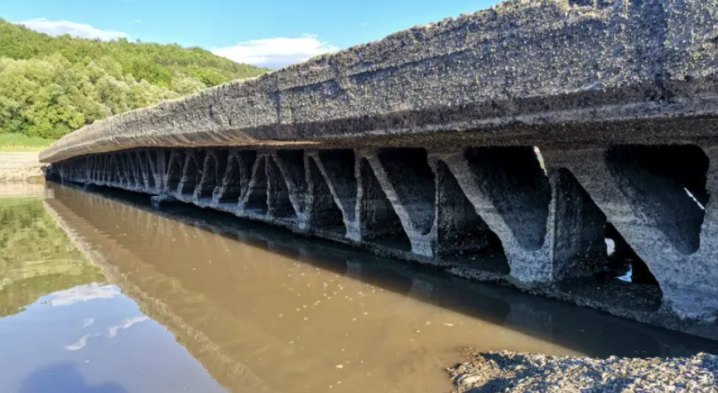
[(82, 216), (547, 211)]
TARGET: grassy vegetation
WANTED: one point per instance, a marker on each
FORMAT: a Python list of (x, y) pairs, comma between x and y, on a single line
[(51, 86), (21, 142), (36, 257)]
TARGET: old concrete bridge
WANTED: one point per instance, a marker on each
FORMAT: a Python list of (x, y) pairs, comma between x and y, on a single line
[(532, 131)]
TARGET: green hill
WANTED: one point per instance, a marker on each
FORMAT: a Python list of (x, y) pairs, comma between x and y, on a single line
[(50, 86)]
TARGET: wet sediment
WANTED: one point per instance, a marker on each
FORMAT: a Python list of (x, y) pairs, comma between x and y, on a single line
[(519, 372)]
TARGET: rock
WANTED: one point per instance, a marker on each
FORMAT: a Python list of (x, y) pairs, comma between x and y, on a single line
[(514, 372)]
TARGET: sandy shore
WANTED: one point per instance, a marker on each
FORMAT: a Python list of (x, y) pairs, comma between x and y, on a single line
[(20, 168), (514, 372)]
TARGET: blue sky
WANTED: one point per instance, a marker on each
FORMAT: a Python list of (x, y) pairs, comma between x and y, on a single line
[(264, 32)]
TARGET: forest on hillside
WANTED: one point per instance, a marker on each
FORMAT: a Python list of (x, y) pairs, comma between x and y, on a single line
[(37, 258), (51, 86)]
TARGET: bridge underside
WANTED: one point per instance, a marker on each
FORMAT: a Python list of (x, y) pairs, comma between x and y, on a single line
[(538, 219)]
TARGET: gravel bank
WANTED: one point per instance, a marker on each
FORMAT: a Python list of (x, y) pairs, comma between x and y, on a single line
[(20, 167), (514, 372)]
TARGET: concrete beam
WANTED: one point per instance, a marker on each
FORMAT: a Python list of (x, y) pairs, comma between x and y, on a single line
[(556, 71)]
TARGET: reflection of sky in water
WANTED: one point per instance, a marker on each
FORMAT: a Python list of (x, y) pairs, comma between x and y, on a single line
[(126, 324), (95, 335), (111, 331), (81, 294)]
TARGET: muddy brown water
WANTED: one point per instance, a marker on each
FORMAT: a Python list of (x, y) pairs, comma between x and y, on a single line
[(101, 293)]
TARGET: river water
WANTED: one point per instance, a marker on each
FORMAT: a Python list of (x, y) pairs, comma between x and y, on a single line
[(101, 293)]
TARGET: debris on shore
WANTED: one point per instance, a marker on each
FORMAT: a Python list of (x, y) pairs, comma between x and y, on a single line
[(518, 372)]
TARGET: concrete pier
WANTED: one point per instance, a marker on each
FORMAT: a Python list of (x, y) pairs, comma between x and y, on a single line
[(445, 208)]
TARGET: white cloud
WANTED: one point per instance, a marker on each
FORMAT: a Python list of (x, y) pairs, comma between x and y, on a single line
[(56, 28), (276, 52)]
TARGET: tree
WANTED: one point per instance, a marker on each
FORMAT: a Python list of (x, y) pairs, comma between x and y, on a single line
[(50, 86)]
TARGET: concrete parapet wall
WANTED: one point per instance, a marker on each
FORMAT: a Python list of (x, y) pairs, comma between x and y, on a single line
[(500, 73)]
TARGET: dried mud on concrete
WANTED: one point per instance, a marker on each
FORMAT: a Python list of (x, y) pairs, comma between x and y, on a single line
[(515, 372), (16, 167)]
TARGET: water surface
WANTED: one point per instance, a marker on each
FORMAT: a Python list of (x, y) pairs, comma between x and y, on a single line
[(101, 293)]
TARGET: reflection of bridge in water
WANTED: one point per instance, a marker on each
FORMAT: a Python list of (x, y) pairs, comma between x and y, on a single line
[(231, 325)]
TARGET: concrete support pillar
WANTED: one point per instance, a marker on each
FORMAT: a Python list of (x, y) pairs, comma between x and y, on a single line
[(115, 176), (94, 172), (136, 184), (292, 171), (125, 169), (141, 160), (337, 168), (87, 169), (655, 197), (104, 175), (579, 245), (191, 174), (459, 230), (279, 204), (548, 211), (255, 201), (235, 180), (215, 162), (407, 181), (105, 169), (97, 165), (548, 227), (322, 210), (174, 171), (376, 219), (161, 167), (514, 198)]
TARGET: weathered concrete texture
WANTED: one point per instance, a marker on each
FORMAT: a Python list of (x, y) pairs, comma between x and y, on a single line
[(518, 65), (657, 197), (542, 216)]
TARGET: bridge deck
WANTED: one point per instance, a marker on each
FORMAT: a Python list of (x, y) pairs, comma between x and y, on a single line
[(554, 71)]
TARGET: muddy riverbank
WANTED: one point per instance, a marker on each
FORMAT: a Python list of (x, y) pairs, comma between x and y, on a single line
[(20, 167), (518, 372)]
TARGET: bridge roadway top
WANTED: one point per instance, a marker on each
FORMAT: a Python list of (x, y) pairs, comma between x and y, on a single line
[(523, 72)]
